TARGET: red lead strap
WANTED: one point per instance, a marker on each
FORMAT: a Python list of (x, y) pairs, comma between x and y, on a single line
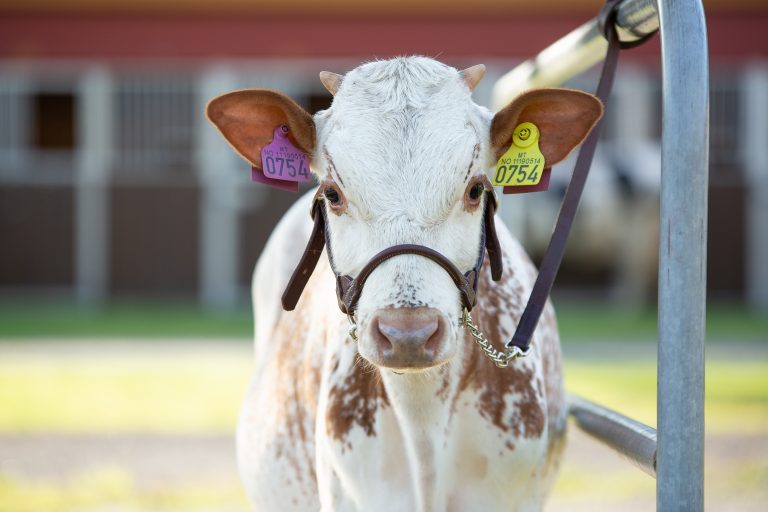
[(554, 254)]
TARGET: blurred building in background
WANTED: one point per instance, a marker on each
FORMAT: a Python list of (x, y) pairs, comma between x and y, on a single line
[(113, 184)]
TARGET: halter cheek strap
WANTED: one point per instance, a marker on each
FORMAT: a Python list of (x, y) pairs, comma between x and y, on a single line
[(349, 289), (308, 261)]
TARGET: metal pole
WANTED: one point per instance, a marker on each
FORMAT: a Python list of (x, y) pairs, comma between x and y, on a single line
[(575, 53), (92, 208), (625, 435), (682, 256), (219, 242)]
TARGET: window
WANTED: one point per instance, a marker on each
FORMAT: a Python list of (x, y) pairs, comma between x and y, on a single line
[(724, 131), (53, 125), (155, 121), (317, 102)]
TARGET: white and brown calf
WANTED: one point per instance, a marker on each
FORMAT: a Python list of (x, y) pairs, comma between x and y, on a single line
[(412, 416)]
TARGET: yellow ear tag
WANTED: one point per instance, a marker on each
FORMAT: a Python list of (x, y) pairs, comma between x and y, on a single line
[(523, 163)]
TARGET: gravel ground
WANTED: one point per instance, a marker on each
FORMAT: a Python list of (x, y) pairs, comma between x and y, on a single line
[(152, 460), (737, 468), (597, 479)]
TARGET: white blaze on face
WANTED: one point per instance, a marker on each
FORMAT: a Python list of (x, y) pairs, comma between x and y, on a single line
[(401, 142)]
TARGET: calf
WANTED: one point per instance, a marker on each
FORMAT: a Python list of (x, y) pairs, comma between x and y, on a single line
[(403, 412)]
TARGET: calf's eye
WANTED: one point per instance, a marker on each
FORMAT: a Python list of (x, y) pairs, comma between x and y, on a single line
[(476, 191), (332, 196)]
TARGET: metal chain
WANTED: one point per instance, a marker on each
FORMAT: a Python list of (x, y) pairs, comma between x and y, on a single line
[(499, 357)]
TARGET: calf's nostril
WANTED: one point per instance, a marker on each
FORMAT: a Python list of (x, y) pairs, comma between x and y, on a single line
[(383, 343), (409, 334), (433, 342)]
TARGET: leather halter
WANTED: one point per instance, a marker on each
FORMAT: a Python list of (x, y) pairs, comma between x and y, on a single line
[(349, 289)]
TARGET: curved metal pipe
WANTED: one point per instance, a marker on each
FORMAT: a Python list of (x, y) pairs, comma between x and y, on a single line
[(575, 53), (682, 255)]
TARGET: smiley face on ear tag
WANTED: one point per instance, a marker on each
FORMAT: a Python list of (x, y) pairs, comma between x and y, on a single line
[(523, 164)]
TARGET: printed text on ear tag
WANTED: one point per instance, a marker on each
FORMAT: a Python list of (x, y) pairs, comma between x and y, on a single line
[(282, 162), (523, 164)]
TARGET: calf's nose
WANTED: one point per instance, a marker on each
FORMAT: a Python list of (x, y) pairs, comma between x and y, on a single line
[(408, 337)]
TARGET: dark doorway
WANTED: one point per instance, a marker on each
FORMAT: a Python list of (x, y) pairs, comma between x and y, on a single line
[(317, 102), (54, 126)]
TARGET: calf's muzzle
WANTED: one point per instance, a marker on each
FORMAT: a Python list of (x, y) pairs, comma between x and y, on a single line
[(408, 338)]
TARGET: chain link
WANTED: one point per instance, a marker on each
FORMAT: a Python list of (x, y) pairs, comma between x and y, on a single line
[(499, 357)]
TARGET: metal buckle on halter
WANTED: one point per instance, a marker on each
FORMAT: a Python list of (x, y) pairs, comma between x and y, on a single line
[(352, 327)]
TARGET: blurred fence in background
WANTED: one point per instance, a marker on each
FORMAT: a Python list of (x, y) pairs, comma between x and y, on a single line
[(113, 184)]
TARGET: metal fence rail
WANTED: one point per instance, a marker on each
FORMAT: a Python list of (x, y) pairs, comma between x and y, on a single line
[(677, 458), (576, 52), (625, 435)]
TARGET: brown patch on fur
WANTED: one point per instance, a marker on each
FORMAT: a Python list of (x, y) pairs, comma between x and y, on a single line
[(445, 388), (296, 398), (526, 417), (355, 401)]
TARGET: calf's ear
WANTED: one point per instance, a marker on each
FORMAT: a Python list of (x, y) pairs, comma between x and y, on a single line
[(248, 118), (564, 118)]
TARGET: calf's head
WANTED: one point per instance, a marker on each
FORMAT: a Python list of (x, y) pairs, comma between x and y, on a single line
[(401, 157)]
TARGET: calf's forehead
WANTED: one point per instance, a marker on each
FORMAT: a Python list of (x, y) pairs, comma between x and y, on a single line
[(409, 122), (398, 84)]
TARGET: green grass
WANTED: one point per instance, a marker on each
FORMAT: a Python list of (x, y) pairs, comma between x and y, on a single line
[(602, 322), (581, 321), (24, 318), (736, 393), (175, 395), (201, 394)]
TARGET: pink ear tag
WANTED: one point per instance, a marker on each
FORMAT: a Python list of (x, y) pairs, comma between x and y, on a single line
[(283, 165)]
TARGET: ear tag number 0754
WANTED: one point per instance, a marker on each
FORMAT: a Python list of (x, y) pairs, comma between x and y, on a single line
[(281, 160), (523, 164)]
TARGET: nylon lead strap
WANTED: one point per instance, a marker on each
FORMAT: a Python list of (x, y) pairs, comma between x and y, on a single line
[(554, 254)]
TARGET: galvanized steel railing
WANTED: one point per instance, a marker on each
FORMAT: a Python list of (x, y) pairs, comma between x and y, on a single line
[(576, 52), (674, 453)]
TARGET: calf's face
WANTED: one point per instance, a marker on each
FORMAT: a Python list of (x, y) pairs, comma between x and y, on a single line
[(401, 157)]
